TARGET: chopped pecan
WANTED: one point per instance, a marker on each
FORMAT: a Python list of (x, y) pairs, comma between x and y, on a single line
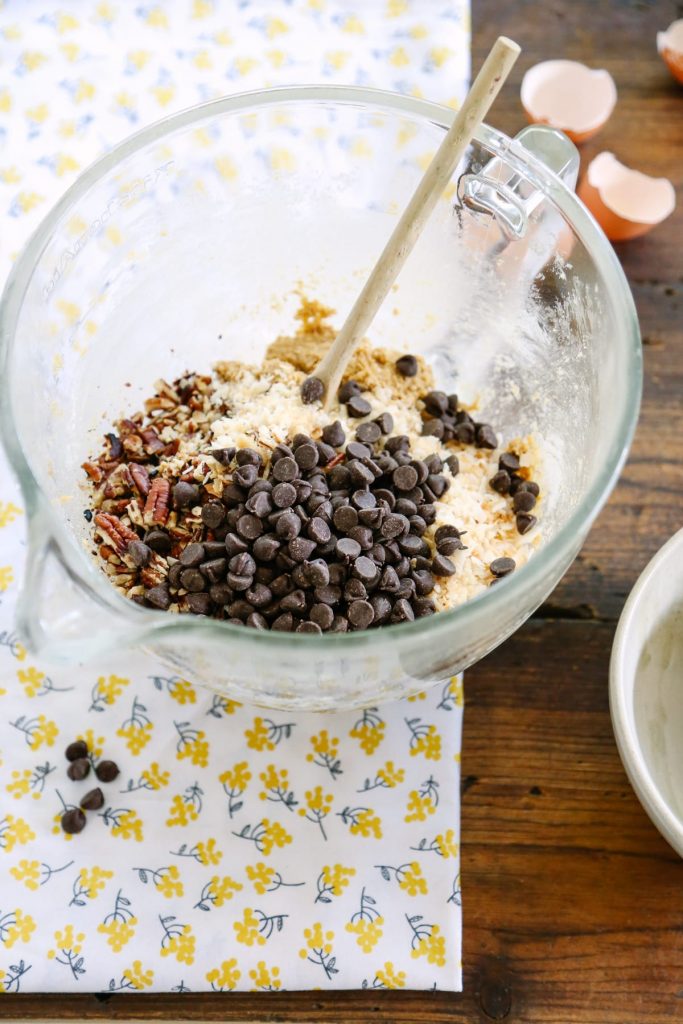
[(127, 426), (140, 478), (93, 471), (159, 405), (134, 510), (133, 446), (115, 506), (119, 536), (155, 572), (153, 442), (119, 482), (158, 501), (172, 447), (115, 446)]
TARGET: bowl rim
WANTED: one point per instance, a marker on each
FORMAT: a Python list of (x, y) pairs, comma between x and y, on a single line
[(149, 626), (621, 689)]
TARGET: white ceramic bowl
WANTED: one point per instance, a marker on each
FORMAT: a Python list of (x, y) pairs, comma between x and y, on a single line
[(646, 690)]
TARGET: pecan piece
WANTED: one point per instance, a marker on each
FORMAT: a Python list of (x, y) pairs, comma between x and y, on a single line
[(133, 446), (153, 442), (158, 501), (115, 446), (155, 572), (118, 535), (119, 482), (93, 471), (140, 478)]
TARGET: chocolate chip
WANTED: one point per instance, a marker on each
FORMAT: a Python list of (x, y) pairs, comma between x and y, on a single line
[(330, 594), (185, 494), (442, 566), (382, 494), (523, 501), (368, 433), (394, 526), (361, 475), (407, 366), (288, 526), (73, 821), (192, 555), (159, 541), (356, 450), (285, 470), (239, 582), (325, 452), (284, 495), (243, 564), (364, 569), (385, 422), (246, 476), (214, 570), (464, 432), (345, 518), (221, 593), (500, 481), (312, 390), (449, 545), (240, 609), (486, 436), (139, 553), (260, 504), (199, 604), (283, 623), (433, 428), (525, 522), (436, 403), (107, 771), (423, 606), (398, 443), (301, 549), (233, 495), (78, 769), (389, 580), (93, 800), (308, 627), (381, 607), (234, 544), (424, 582), (402, 611), (333, 434), (266, 547), (76, 750), (306, 456), (192, 580), (502, 566), (318, 530), (322, 615), (371, 517), (361, 614), (437, 484), (317, 572), (249, 526), (248, 457), (509, 461), (531, 487), (357, 407), (363, 535), (355, 590), (294, 602), (348, 390), (256, 621), (411, 545), (404, 478), (447, 530), (158, 597), (348, 549)]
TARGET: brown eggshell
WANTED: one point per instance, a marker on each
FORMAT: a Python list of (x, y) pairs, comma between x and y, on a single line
[(625, 203), (670, 47)]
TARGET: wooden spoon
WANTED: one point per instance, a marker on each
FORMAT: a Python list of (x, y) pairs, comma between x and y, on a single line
[(486, 86)]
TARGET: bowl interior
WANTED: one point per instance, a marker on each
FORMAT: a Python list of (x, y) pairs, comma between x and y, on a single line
[(647, 690)]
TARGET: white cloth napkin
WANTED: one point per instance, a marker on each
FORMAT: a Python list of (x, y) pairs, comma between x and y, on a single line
[(238, 849)]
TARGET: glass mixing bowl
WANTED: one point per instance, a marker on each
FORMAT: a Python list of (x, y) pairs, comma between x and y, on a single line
[(186, 244)]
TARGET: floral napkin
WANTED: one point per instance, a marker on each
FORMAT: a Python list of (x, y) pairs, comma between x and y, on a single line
[(238, 848)]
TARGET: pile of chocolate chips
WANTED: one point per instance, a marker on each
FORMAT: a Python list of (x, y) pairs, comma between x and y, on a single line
[(329, 539), (524, 493), (77, 754)]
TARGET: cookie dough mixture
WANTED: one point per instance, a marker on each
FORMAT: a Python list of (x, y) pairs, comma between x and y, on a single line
[(229, 497)]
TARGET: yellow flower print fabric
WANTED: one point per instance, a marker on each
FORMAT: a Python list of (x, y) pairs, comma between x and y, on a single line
[(239, 849), (81, 75)]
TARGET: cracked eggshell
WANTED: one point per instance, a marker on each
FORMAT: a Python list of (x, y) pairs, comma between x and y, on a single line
[(624, 202), (570, 96), (670, 47)]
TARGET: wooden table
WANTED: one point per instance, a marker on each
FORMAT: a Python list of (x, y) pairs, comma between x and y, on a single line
[(573, 904)]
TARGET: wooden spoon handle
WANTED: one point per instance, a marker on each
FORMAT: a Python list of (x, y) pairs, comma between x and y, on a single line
[(483, 92)]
